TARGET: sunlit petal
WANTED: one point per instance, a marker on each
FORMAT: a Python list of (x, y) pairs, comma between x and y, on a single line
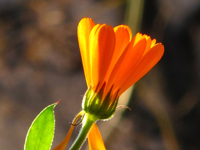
[(64, 143), (123, 36), (126, 63), (84, 28), (102, 44), (148, 61), (95, 141)]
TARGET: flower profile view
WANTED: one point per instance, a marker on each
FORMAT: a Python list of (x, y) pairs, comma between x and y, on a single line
[(112, 62)]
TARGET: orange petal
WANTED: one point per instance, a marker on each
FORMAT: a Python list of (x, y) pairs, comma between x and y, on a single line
[(95, 141), (84, 28), (64, 143), (126, 63), (138, 37), (153, 42), (123, 36), (148, 46), (148, 61), (102, 44)]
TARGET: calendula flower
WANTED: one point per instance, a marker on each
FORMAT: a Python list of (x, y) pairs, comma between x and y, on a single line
[(112, 62)]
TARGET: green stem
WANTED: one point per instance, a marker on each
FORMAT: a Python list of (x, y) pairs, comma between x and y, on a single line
[(88, 121)]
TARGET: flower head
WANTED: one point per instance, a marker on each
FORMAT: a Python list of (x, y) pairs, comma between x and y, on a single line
[(113, 60)]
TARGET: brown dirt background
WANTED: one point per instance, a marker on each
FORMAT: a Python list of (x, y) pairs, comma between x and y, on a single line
[(40, 63)]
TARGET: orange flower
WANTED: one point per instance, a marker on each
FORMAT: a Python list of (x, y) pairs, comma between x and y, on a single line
[(110, 56), (112, 62)]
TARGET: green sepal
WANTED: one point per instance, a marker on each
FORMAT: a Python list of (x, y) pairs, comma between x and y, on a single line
[(94, 104), (41, 132)]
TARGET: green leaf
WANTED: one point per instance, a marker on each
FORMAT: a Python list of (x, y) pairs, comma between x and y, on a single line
[(41, 131)]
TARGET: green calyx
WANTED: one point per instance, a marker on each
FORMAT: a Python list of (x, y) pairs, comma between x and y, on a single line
[(94, 104)]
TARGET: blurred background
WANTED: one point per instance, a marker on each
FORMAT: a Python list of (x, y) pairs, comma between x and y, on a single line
[(40, 63)]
